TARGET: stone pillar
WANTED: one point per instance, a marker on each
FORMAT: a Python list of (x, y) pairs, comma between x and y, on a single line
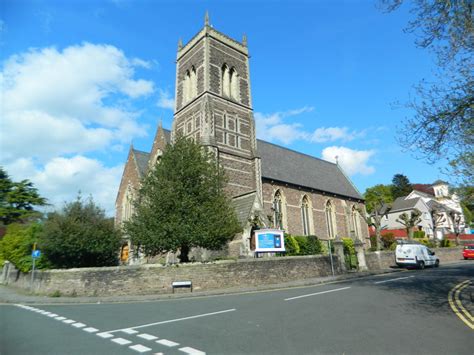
[(359, 248), (339, 251)]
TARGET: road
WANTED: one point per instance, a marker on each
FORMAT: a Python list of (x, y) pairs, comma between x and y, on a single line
[(398, 313)]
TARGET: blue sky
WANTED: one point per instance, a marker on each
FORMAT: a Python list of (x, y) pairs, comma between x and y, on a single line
[(83, 79)]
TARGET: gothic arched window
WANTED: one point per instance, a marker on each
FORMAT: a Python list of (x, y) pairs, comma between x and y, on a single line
[(193, 82), (234, 84), (278, 212), (127, 206), (331, 219), (355, 221), (305, 215), (225, 80)]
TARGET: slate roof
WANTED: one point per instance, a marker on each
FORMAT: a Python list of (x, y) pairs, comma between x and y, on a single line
[(401, 204), (288, 166), (243, 206), (285, 165), (142, 161)]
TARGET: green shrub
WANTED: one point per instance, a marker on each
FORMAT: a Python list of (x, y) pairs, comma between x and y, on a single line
[(291, 245), (418, 234), (308, 245), (428, 242), (387, 240), (348, 246), (446, 243), (373, 243), (16, 246)]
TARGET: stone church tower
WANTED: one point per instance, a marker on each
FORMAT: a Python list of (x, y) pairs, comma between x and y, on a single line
[(214, 106)]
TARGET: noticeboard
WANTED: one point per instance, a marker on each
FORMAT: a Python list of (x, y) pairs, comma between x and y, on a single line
[(269, 240)]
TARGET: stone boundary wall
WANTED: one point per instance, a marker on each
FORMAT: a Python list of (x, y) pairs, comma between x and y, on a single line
[(386, 259), (157, 279)]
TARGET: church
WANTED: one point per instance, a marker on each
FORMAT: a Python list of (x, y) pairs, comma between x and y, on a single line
[(278, 187)]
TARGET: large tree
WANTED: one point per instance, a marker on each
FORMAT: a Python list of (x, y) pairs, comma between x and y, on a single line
[(376, 195), (181, 204), (442, 125), (401, 186), (80, 235), (17, 199)]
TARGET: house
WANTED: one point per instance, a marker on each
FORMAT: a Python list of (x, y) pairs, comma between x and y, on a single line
[(441, 211)]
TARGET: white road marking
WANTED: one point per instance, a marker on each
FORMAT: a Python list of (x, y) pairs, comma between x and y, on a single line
[(90, 330), (171, 320), (78, 325), (317, 293), (47, 313), (166, 342), (139, 348), (129, 331), (52, 315), (398, 278), (147, 336), (60, 318), (69, 321), (121, 341), (158, 354), (104, 335), (192, 351)]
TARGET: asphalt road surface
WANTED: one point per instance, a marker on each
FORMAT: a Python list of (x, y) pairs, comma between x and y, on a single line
[(400, 313)]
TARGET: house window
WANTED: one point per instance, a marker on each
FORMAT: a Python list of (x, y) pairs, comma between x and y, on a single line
[(305, 215), (331, 219)]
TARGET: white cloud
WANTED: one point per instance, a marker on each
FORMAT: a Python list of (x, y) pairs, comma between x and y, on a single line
[(352, 161), (60, 179), (59, 105), (165, 100), (272, 127), (69, 101)]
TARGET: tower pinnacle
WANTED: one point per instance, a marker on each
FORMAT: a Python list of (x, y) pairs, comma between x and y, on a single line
[(206, 19)]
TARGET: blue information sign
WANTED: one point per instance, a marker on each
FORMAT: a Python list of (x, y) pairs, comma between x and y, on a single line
[(269, 240), (36, 254)]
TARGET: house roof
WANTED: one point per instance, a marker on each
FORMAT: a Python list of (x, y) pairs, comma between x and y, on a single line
[(285, 165), (400, 204), (425, 188)]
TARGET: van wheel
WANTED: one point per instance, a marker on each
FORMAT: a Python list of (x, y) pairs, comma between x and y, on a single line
[(437, 263), (421, 265)]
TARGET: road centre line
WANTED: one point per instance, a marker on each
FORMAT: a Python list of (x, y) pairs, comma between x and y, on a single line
[(191, 351), (390, 280), (171, 320), (317, 293)]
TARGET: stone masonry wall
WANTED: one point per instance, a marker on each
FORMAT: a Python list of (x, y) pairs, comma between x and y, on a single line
[(386, 259), (157, 279)]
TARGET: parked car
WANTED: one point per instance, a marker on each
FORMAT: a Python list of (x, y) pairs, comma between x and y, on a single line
[(468, 251), (415, 255)]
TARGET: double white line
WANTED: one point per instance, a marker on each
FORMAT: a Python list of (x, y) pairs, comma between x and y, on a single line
[(456, 305)]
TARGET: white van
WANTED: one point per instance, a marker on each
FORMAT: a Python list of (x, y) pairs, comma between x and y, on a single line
[(416, 255)]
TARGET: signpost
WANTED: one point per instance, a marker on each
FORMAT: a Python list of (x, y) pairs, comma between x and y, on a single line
[(269, 241), (35, 254)]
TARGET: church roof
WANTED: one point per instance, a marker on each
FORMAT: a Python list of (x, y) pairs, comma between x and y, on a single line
[(285, 165), (243, 206), (142, 161)]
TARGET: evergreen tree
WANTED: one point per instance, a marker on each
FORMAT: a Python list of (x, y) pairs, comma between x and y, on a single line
[(181, 204), (80, 236), (401, 186), (17, 200)]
